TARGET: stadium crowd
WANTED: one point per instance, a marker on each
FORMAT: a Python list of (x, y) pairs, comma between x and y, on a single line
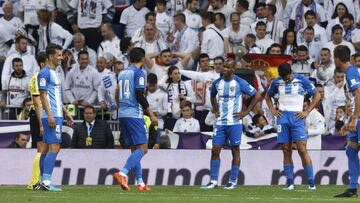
[(186, 43)]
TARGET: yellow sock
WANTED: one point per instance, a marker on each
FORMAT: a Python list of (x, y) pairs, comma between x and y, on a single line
[(35, 171)]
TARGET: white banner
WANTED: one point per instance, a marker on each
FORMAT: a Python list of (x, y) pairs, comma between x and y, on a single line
[(172, 167)]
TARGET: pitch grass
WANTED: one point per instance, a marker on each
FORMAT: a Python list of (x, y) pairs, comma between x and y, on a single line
[(172, 194)]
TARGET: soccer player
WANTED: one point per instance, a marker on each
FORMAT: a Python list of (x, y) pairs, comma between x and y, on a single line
[(226, 101), (132, 101), (52, 113), (291, 89), (36, 128), (352, 128)]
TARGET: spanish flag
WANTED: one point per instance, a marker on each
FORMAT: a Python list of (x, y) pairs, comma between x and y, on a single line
[(267, 63)]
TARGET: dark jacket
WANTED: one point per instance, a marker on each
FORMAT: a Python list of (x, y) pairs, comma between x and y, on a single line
[(101, 134)]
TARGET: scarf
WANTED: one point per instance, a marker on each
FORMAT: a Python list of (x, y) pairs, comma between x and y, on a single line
[(299, 20), (348, 32), (170, 90)]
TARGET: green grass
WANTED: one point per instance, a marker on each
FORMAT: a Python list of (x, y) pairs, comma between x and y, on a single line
[(172, 194)]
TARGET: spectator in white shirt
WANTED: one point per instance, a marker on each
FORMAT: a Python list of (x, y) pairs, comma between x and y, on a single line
[(246, 16), (110, 44), (352, 34), (164, 60), (288, 43), (86, 16), (315, 127), (260, 10), (262, 41), (324, 70), (30, 65), (274, 27), (51, 32), (193, 19), (340, 11), (235, 34), (250, 44), (150, 18), (337, 39), (156, 97), (280, 7), (133, 18), (260, 127), (212, 41), (313, 46), (149, 42), (320, 32), (220, 21), (82, 82), (302, 64), (186, 124), (9, 21), (185, 39), (163, 21), (79, 45), (219, 6), (297, 19), (16, 86)]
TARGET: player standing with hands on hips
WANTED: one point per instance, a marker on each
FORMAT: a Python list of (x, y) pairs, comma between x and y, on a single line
[(291, 90), (131, 98), (352, 128), (226, 101)]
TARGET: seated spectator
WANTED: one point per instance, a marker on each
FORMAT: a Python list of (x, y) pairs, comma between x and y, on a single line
[(186, 124), (248, 119), (250, 44), (20, 141), (29, 63), (340, 120), (156, 97), (261, 127), (15, 88), (149, 42), (92, 133), (51, 32), (302, 64), (110, 44), (315, 127), (82, 82), (262, 41), (79, 45), (288, 42), (26, 107)]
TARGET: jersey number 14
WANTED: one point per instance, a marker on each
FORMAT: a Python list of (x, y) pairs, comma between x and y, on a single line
[(124, 87)]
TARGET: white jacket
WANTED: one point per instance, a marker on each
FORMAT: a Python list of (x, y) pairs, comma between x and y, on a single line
[(315, 125), (16, 89), (107, 88), (82, 84)]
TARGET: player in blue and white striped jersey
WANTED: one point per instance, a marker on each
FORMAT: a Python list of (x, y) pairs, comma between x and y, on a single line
[(291, 90), (226, 101), (52, 114)]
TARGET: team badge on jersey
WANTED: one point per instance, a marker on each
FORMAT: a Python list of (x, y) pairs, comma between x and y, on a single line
[(141, 81), (43, 82)]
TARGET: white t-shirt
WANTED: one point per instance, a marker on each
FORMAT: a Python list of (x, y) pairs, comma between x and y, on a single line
[(11, 25), (110, 47), (193, 20), (184, 125), (264, 44), (90, 15), (30, 7), (133, 19), (331, 46), (164, 23), (236, 38)]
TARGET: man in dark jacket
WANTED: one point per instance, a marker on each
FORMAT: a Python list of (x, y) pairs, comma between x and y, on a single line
[(92, 133)]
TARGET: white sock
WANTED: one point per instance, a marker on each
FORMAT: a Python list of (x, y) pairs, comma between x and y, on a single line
[(46, 182), (214, 182)]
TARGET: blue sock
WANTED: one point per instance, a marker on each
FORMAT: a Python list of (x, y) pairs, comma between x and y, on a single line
[(133, 159), (138, 173), (42, 158), (289, 172), (214, 169), (310, 174), (49, 164), (353, 164), (234, 173)]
